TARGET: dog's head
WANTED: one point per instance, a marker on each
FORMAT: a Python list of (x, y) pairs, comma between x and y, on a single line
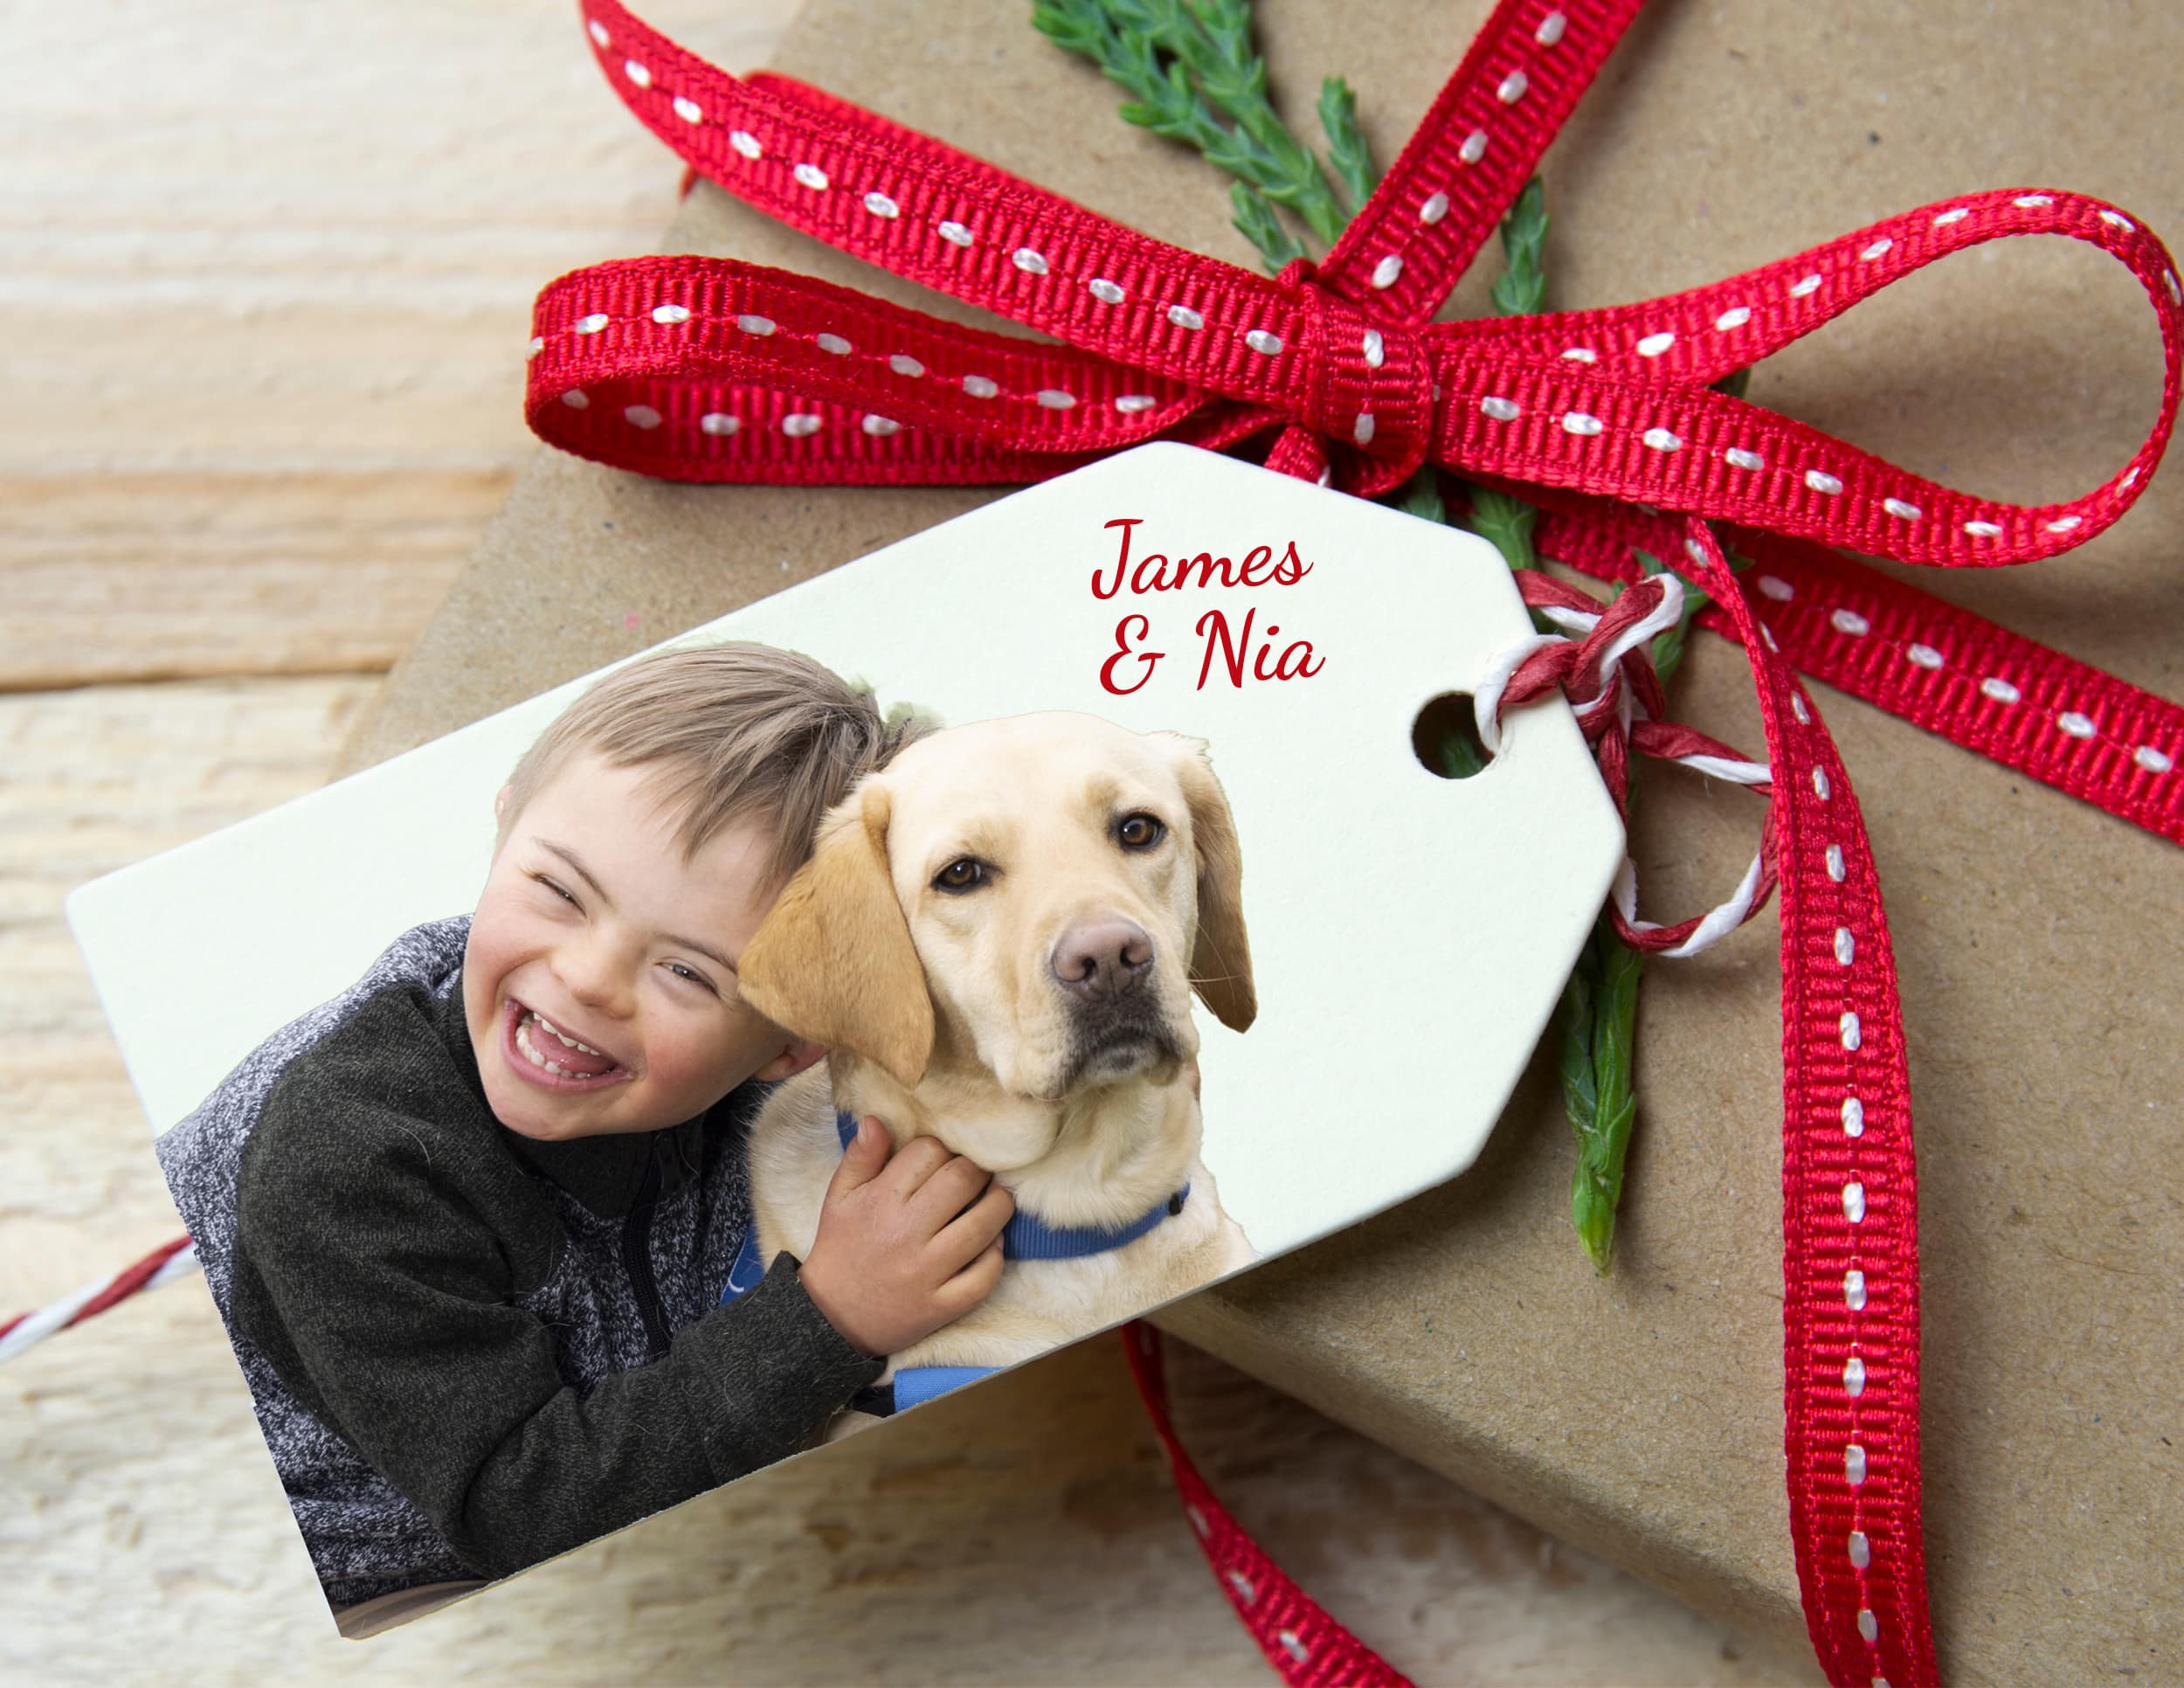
[(1037, 897)]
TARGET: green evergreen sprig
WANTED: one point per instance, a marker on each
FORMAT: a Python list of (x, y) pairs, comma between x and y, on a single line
[(1256, 221), (1193, 77), (1599, 1021), (1521, 290), (1347, 148), (1668, 648), (1508, 522)]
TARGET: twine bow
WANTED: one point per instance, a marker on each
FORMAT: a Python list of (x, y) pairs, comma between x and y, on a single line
[(710, 369), (1608, 678)]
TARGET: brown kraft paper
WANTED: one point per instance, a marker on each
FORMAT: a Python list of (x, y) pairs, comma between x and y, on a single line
[(2042, 968)]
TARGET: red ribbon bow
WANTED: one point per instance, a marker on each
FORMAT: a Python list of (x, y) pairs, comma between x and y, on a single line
[(711, 370)]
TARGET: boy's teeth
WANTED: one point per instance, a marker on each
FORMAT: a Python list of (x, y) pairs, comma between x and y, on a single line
[(564, 1036), (530, 1051)]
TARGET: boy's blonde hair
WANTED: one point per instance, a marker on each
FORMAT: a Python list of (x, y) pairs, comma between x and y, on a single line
[(736, 731)]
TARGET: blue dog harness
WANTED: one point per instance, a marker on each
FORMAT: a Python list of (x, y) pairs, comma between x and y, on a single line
[(1024, 1238)]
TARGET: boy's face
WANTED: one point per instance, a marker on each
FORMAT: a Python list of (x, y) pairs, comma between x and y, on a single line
[(590, 923)]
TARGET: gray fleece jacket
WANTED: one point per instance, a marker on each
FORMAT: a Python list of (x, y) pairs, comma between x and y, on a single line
[(469, 1351)]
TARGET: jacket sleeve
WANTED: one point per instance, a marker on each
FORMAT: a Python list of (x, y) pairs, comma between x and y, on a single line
[(391, 1303)]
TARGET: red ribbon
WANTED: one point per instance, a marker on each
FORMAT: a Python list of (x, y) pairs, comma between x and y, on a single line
[(711, 370), (1309, 1648)]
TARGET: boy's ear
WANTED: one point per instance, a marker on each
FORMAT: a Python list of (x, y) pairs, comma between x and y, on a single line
[(834, 962), (1220, 950), (501, 803), (792, 1061)]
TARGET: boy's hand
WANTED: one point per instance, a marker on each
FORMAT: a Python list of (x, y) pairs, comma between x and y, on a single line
[(906, 1242)]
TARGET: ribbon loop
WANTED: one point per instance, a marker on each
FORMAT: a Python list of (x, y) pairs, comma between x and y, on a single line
[(1628, 386)]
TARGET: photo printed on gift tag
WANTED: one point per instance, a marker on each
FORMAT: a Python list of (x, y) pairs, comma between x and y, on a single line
[(962, 952)]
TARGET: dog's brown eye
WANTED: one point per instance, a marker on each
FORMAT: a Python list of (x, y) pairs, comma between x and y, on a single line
[(1140, 831), (962, 874)]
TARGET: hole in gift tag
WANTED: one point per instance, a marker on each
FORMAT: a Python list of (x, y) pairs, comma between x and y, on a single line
[(1445, 738)]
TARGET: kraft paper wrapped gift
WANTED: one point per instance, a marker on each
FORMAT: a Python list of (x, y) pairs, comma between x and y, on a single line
[(2041, 943)]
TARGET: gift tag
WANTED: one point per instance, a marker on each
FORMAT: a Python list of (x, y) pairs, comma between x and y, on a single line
[(1376, 948)]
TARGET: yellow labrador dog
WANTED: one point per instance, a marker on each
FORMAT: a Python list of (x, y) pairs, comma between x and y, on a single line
[(997, 937)]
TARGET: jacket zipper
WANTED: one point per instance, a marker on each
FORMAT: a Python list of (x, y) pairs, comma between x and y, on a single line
[(636, 1256)]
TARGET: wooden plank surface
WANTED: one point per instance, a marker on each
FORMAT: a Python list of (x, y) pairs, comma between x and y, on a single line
[(269, 269), (268, 275)]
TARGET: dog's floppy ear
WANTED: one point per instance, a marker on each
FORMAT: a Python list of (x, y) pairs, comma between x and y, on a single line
[(1220, 952), (833, 961)]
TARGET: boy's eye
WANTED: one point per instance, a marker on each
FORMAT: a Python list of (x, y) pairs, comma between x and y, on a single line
[(555, 889), (690, 973)]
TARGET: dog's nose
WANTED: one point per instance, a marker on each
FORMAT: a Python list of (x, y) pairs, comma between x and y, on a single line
[(1104, 959)]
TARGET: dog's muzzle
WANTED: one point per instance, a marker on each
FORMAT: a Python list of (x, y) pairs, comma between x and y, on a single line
[(1117, 1026)]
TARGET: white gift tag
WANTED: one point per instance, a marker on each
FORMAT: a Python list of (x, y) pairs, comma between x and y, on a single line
[(1409, 934)]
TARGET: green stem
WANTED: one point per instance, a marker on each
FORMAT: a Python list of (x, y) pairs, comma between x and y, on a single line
[(1599, 1025)]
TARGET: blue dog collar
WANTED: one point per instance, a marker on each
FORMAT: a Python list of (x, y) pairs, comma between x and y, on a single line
[(906, 1388), (1026, 1236), (743, 1276)]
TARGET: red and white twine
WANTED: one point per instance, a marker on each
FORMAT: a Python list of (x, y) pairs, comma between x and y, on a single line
[(162, 1266), (1619, 716)]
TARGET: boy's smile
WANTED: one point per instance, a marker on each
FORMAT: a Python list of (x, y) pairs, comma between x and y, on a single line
[(574, 1065), (599, 983)]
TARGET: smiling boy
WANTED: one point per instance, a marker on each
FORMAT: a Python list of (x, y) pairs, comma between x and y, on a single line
[(469, 1222)]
